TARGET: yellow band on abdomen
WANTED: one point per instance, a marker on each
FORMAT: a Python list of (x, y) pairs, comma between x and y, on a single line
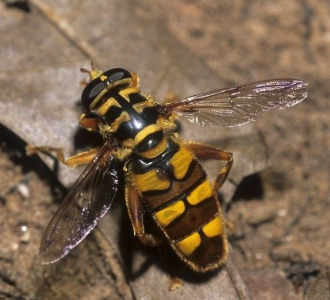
[(151, 181), (170, 213), (189, 244)]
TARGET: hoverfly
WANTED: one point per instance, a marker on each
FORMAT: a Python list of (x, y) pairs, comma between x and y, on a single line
[(163, 174)]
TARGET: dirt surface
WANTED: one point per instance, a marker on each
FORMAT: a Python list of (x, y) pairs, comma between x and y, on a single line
[(280, 216)]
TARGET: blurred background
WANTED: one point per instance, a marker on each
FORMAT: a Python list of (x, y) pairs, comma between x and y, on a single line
[(278, 196)]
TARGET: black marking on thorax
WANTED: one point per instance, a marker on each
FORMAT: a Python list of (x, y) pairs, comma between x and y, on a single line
[(138, 120)]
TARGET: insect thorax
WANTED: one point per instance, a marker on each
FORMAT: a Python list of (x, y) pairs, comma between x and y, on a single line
[(128, 115)]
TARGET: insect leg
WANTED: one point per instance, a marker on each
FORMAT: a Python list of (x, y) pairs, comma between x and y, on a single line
[(89, 123), (206, 152), (82, 157), (135, 211), (78, 159)]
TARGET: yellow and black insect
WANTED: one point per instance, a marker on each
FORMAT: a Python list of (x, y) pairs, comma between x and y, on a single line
[(163, 174)]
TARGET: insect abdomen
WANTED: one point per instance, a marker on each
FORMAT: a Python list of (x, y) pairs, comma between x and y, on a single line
[(181, 200)]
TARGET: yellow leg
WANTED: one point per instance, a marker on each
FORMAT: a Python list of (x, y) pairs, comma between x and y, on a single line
[(78, 159), (89, 123)]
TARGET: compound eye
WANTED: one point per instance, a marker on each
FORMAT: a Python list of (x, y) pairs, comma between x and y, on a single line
[(116, 74), (91, 91), (109, 79)]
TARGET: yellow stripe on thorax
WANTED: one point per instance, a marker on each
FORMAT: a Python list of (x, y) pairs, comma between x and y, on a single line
[(139, 107), (126, 92), (103, 109), (124, 117)]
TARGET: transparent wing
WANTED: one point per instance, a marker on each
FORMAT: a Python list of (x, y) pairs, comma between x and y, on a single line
[(239, 105), (85, 204)]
